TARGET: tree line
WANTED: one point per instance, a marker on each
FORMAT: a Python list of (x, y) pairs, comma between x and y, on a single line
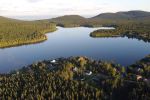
[(14, 32), (66, 79)]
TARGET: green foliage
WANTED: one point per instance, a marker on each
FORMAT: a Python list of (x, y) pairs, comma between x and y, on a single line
[(15, 32), (38, 82), (103, 19), (142, 67), (69, 21), (104, 33), (131, 30), (46, 80)]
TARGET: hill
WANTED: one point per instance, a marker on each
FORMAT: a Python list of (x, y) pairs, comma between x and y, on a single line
[(130, 15), (16, 32), (102, 19), (69, 20)]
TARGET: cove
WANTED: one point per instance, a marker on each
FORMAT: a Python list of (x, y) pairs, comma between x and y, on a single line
[(66, 42)]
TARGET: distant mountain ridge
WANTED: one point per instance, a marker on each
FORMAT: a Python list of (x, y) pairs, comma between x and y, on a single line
[(69, 17), (69, 20), (103, 18), (135, 14), (124, 15), (5, 19)]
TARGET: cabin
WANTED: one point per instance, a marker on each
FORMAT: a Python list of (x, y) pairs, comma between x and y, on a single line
[(88, 73), (53, 61), (81, 59), (147, 81), (82, 79), (17, 72), (138, 77), (138, 69), (75, 69)]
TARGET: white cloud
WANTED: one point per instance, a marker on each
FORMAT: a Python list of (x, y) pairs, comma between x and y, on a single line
[(48, 7), (34, 0), (62, 7)]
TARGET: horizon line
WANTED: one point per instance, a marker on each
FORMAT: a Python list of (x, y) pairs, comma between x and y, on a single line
[(31, 17)]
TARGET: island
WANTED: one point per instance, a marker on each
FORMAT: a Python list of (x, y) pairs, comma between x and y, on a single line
[(105, 33)]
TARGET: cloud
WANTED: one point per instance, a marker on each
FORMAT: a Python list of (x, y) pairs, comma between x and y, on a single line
[(44, 7), (62, 7), (34, 1)]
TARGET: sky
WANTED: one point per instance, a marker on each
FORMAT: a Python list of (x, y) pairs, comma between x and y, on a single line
[(28, 9)]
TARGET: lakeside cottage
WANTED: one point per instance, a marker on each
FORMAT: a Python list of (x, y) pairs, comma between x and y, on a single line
[(75, 69), (88, 73), (17, 72), (53, 61), (82, 79), (147, 81), (138, 77)]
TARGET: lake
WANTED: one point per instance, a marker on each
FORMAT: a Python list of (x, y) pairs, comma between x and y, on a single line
[(66, 42)]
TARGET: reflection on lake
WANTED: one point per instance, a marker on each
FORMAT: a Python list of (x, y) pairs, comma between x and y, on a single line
[(66, 42)]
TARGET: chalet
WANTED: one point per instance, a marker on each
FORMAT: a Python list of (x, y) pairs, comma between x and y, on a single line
[(53, 61), (88, 73), (81, 59), (75, 69), (138, 77), (147, 81), (17, 72), (82, 79), (138, 69)]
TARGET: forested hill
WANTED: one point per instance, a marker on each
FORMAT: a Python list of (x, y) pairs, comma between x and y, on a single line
[(7, 19), (104, 18), (130, 15), (69, 20), (15, 32)]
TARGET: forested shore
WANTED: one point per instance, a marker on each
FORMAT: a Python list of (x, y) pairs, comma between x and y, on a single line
[(134, 24), (16, 32), (78, 78), (135, 30)]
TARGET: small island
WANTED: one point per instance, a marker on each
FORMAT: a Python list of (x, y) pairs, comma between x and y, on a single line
[(104, 33)]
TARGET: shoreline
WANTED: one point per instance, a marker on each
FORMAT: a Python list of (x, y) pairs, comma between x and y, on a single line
[(39, 40), (146, 59), (34, 41), (74, 72)]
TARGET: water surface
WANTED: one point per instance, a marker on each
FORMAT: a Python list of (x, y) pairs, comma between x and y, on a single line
[(66, 42)]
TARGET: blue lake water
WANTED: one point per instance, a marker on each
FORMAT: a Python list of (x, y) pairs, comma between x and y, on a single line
[(66, 42)]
